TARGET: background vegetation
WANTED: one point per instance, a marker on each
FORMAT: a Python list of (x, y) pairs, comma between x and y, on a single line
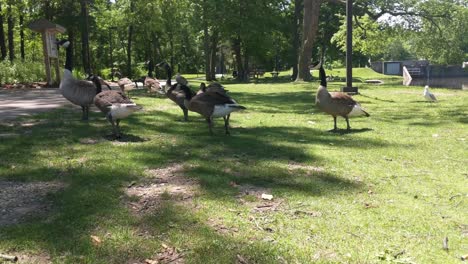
[(201, 35)]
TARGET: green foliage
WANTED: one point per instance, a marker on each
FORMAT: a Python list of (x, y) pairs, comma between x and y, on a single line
[(443, 40), (409, 29), (21, 72)]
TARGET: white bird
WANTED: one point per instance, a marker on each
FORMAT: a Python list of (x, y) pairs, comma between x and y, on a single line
[(428, 95)]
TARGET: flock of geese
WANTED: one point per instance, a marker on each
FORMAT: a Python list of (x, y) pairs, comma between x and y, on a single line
[(210, 101)]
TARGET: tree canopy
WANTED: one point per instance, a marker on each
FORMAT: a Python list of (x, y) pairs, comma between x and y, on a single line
[(216, 36)]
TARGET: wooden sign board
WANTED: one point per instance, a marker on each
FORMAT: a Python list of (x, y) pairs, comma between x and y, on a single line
[(51, 44)]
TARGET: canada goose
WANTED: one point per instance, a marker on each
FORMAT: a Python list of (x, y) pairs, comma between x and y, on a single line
[(428, 95), (213, 87), (175, 91), (180, 79), (336, 103), (211, 104), (79, 92), (101, 81), (202, 88), (153, 85), (114, 104), (126, 85)]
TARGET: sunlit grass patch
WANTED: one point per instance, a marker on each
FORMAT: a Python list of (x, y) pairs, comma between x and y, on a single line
[(391, 189)]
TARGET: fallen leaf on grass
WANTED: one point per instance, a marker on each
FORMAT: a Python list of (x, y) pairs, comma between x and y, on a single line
[(310, 213), (169, 255), (445, 244), (368, 205), (150, 261), (241, 260), (268, 197), (96, 240)]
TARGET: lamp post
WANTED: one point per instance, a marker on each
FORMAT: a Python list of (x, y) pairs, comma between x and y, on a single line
[(349, 50)]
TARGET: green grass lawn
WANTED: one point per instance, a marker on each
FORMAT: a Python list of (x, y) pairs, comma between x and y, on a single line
[(390, 191)]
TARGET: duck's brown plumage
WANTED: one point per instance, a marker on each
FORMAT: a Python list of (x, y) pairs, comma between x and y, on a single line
[(174, 91), (204, 103), (336, 103), (105, 99)]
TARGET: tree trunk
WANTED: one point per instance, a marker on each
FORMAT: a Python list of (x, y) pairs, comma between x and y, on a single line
[(237, 51), (22, 37), (206, 45), (85, 37), (246, 74), (296, 27), (47, 10), (310, 27), (213, 48), (129, 43), (11, 44), (2, 36)]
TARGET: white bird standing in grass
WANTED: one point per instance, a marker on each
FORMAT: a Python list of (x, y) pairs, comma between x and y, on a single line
[(428, 95)]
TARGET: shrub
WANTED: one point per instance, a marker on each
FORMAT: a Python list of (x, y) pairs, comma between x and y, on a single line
[(21, 72)]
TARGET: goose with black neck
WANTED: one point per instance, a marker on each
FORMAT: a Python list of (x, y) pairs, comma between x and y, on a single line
[(78, 92)]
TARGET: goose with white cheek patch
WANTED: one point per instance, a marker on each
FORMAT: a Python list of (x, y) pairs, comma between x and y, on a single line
[(336, 103), (115, 105)]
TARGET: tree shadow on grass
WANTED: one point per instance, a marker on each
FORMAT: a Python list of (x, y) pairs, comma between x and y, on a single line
[(125, 138), (92, 200), (214, 244)]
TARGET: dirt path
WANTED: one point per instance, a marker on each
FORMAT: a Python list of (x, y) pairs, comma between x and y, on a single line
[(25, 102)]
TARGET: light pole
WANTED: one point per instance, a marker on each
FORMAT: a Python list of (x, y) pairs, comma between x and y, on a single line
[(349, 49)]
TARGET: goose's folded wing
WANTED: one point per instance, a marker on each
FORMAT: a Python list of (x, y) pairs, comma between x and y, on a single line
[(343, 99), (85, 84), (214, 98)]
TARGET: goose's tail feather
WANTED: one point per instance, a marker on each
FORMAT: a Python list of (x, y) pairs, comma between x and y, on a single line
[(236, 106), (357, 111)]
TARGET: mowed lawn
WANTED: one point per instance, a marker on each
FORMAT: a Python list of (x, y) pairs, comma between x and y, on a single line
[(391, 190)]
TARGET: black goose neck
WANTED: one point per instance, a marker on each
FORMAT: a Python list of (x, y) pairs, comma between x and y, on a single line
[(323, 78), (97, 83), (69, 58)]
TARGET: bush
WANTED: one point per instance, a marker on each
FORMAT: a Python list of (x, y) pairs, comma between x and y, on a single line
[(21, 72)]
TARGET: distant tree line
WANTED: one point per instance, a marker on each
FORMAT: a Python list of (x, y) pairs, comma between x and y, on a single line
[(202, 35)]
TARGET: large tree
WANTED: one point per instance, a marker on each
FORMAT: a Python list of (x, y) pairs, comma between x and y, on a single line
[(310, 27)]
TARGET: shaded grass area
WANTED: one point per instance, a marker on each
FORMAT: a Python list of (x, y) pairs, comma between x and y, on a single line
[(391, 190)]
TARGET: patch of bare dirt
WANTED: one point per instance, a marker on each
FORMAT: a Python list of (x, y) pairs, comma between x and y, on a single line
[(167, 255), (293, 166), (33, 85), (168, 183), (219, 227), (27, 258), (90, 141), (20, 200), (251, 196)]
